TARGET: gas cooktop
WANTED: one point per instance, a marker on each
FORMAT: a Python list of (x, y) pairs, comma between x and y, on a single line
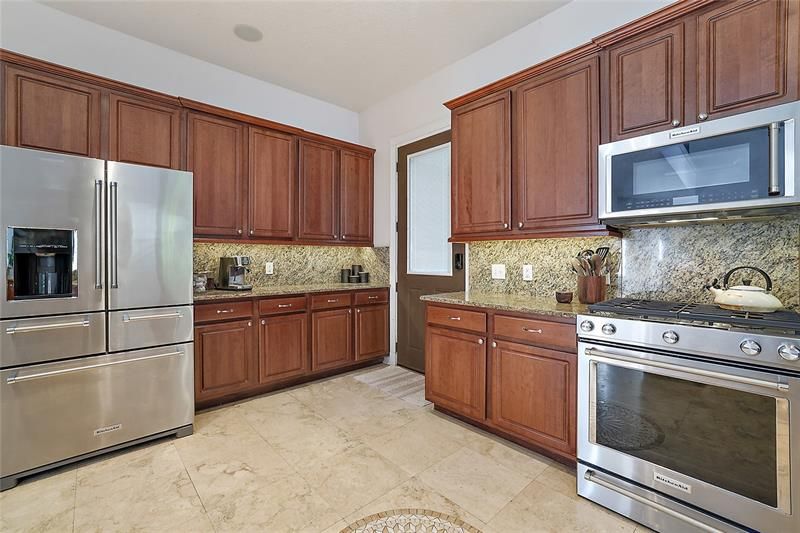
[(785, 321)]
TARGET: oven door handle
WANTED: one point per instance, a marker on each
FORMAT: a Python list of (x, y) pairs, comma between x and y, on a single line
[(621, 359), (593, 477)]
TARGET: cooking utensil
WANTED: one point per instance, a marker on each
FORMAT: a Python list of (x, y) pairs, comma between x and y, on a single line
[(577, 267), (597, 264), (586, 265), (603, 251)]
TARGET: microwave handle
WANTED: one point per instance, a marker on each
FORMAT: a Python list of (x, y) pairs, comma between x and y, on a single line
[(774, 159)]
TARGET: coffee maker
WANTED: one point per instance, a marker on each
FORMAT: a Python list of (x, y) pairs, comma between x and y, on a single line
[(232, 272)]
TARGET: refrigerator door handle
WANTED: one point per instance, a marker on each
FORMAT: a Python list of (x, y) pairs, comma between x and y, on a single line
[(113, 238), (98, 234), (128, 318)]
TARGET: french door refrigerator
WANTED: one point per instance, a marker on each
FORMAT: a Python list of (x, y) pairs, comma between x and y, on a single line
[(96, 339)]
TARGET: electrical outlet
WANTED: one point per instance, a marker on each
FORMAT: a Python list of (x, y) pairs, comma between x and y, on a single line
[(498, 272), (527, 272), (269, 267)]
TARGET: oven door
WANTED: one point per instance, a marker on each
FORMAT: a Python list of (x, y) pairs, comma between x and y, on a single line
[(714, 436)]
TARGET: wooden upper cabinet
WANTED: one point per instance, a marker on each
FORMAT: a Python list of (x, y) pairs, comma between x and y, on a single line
[(272, 169), (481, 166), (318, 192), (556, 133), (47, 112), (215, 154), (747, 56), (143, 132), (646, 82), (355, 190), (455, 371), (282, 347)]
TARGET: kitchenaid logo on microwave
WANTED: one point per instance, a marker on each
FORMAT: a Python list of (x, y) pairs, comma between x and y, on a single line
[(694, 130), (106, 429), (674, 483)]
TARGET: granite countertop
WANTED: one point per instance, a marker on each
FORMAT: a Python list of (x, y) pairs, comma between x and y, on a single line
[(283, 290), (510, 302)]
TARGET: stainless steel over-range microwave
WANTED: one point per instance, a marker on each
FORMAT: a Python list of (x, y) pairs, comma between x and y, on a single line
[(743, 165)]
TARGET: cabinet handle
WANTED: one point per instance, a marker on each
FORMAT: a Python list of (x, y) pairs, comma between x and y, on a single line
[(454, 318), (282, 306), (480, 341), (530, 330), (520, 224), (221, 311), (702, 116), (494, 344), (333, 301), (676, 123), (372, 297)]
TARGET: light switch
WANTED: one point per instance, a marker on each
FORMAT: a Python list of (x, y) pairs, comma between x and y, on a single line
[(527, 272), (498, 272), (269, 267)]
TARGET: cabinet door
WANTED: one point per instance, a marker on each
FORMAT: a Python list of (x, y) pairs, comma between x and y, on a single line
[(331, 338), (50, 113), (481, 166), (646, 82), (225, 361), (144, 133), (282, 347), (318, 192), (215, 155), (372, 331), (533, 394), (273, 183), (455, 371), (556, 136), (747, 54), (355, 207)]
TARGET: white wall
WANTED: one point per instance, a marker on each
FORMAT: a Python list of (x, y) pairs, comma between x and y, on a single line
[(45, 33)]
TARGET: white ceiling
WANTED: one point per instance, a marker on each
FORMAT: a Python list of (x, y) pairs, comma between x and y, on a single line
[(350, 53)]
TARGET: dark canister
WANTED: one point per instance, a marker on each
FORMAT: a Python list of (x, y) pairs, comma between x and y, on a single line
[(363, 277), (353, 278), (344, 275), (355, 269)]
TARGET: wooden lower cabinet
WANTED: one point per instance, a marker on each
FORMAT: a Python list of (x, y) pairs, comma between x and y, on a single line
[(282, 347), (331, 338), (455, 371), (371, 332), (533, 394), (224, 359)]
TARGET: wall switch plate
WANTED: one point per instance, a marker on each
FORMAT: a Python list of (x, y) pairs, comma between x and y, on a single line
[(269, 267), (498, 272), (527, 272)]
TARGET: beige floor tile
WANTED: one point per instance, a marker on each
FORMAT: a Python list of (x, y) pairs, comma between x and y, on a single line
[(560, 478), (540, 509), (147, 489), (352, 479), (416, 445), (200, 524), (42, 503), (414, 494), (475, 482), (511, 456), (336, 528)]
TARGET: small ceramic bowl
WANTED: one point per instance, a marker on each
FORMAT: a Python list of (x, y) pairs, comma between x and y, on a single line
[(563, 297)]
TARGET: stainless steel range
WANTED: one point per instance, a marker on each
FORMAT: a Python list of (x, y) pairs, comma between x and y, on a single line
[(689, 415)]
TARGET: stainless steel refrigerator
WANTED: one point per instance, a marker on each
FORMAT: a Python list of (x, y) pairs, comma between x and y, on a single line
[(96, 333)]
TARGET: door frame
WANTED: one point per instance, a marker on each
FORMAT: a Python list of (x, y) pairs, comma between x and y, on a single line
[(394, 143)]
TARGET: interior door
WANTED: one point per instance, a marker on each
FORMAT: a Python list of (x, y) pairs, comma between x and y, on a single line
[(427, 263)]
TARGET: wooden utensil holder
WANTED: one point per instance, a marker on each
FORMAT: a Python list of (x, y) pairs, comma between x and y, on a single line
[(591, 289)]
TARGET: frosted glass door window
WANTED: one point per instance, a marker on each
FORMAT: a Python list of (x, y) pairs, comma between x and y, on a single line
[(429, 252)]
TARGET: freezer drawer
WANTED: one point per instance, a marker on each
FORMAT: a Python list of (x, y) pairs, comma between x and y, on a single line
[(142, 328), (56, 411), (28, 341)]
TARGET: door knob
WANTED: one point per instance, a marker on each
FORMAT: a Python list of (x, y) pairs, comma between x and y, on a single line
[(702, 116)]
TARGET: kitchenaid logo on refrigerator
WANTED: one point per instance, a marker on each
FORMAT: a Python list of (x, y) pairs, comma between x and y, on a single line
[(674, 483), (106, 429)]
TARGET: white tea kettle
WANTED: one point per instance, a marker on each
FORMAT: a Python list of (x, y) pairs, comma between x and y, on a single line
[(745, 297)]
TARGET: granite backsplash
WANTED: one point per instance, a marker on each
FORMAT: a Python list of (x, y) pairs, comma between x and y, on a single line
[(664, 262), (295, 264)]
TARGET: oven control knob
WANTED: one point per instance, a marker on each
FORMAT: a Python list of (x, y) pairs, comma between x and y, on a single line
[(790, 352), (609, 329), (587, 325), (750, 347), (670, 337)]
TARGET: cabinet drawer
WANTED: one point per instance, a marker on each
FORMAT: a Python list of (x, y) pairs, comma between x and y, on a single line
[(380, 296), (533, 331), (222, 311), (281, 305), (329, 301), (457, 318)]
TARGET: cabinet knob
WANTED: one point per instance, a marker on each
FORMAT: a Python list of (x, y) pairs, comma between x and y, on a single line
[(702, 116), (480, 341), (239, 231), (249, 324), (494, 344), (358, 310), (252, 231), (676, 123), (505, 225), (349, 311), (520, 224), (263, 322), (344, 236)]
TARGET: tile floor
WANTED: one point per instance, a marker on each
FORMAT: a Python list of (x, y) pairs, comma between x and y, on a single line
[(315, 458)]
